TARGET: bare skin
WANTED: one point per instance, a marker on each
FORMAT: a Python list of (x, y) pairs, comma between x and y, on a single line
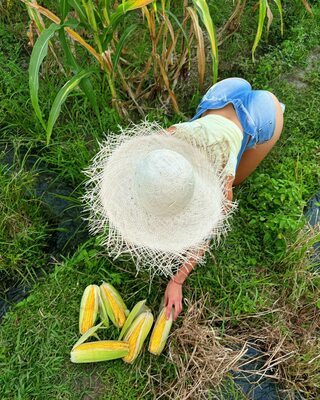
[(250, 160)]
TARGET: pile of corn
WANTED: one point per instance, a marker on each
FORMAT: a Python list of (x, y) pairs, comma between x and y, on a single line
[(106, 303)]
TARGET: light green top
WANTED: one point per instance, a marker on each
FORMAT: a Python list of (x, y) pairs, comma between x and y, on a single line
[(212, 129)]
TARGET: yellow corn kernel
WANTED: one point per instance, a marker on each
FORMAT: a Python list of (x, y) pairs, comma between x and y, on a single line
[(102, 350), (160, 333), (88, 308), (116, 309)]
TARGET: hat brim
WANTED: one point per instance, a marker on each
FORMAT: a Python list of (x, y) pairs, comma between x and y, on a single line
[(166, 240)]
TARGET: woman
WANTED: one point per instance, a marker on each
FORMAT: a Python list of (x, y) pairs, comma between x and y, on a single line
[(259, 116), (163, 195)]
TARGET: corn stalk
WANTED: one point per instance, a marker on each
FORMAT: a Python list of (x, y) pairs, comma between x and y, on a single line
[(95, 26)]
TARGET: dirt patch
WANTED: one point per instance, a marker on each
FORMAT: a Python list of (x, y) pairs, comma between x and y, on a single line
[(297, 78), (90, 387)]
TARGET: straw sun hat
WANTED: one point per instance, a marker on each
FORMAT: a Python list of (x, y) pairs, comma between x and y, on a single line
[(158, 196)]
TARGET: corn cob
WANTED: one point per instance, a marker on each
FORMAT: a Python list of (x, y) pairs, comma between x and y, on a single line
[(114, 305), (137, 334), (88, 308), (160, 333), (102, 350)]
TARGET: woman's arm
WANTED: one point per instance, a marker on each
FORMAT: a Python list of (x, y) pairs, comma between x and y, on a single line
[(173, 293)]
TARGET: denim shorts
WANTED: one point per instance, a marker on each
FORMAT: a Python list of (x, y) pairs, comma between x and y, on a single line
[(255, 109)]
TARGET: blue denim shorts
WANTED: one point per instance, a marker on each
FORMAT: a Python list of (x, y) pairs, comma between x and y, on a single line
[(255, 109)]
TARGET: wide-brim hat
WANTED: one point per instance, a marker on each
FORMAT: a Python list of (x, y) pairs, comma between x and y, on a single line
[(157, 196)]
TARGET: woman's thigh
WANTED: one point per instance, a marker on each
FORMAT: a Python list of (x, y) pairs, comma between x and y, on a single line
[(251, 158)]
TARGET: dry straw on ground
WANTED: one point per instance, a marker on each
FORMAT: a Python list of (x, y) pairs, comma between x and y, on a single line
[(202, 358)]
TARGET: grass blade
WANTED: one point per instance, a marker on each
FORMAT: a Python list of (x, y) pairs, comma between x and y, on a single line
[(60, 99), (38, 54), (203, 10), (262, 15)]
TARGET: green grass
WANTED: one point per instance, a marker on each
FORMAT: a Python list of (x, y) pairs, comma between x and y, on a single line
[(256, 265)]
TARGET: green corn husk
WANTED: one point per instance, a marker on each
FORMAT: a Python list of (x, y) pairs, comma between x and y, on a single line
[(90, 332), (103, 312), (102, 350), (160, 333), (88, 308), (138, 309), (137, 334), (113, 304)]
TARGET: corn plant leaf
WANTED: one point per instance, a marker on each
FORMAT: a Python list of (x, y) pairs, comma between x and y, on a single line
[(279, 5), (34, 16), (182, 30), (80, 10), (105, 6), (64, 9), (90, 332), (38, 54), (116, 17), (120, 45), (68, 56), (262, 15), (85, 83), (60, 99), (203, 11), (126, 6), (201, 56), (270, 19)]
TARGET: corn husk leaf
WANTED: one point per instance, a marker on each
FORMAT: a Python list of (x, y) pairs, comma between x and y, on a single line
[(90, 332), (138, 309), (103, 312), (103, 350), (137, 334)]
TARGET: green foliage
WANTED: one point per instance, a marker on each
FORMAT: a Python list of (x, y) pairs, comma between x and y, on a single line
[(39, 52), (204, 12), (60, 99), (22, 227), (275, 211)]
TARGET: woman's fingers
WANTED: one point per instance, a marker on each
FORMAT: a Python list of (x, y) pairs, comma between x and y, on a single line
[(165, 299), (177, 309), (169, 308)]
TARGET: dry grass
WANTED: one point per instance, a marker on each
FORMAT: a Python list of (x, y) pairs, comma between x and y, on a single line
[(286, 350)]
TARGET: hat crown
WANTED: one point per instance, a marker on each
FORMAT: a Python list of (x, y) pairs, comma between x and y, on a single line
[(164, 182)]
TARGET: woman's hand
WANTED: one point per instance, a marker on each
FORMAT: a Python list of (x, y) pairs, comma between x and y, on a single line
[(173, 297)]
